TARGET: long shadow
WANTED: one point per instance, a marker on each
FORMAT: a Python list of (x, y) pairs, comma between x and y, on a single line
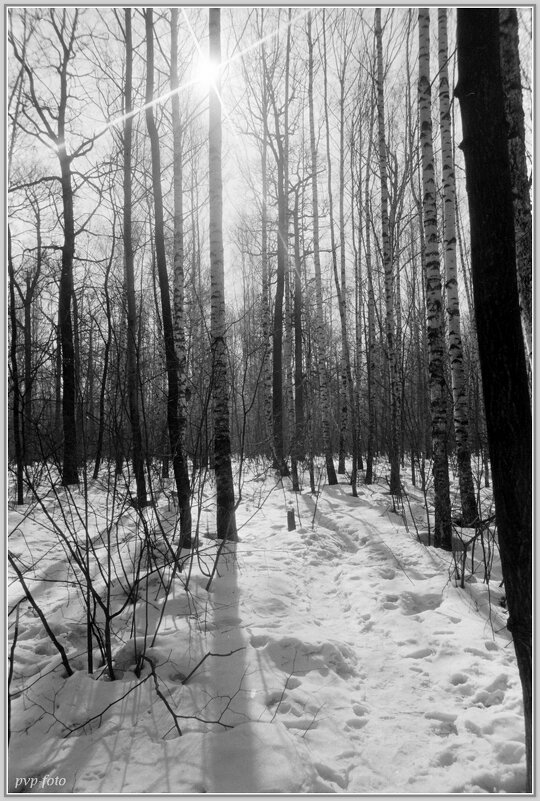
[(230, 759)]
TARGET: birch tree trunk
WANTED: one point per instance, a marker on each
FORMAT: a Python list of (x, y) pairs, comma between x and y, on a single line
[(184, 493), (171, 363), (266, 322), (320, 338), (132, 332), (288, 422), (226, 518), (371, 359), (298, 450), (395, 413), (498, 323), (469, 509), (437, 384)]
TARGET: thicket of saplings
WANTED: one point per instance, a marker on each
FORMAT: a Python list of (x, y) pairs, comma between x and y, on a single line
[(118, 557)]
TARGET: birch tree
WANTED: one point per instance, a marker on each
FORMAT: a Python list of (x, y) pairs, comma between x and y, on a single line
[(184, 494), (459, 391), (132, 327), (171, 362), (389, 277), (437, 384)]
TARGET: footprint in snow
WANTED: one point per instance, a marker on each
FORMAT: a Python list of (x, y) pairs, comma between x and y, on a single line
[(460, 683), (329, 774), (387, 573), (366, 622), (493, 694), (420, 653), (446, 758), (304, 724), (415, 604), (443, 723), (361, 712), (390, 602), (356, 723)]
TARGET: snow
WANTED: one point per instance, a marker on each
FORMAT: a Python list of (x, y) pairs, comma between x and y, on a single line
[(339, 657)]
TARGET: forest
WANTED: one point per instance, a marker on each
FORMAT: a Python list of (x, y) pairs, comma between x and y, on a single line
[(269, 418)]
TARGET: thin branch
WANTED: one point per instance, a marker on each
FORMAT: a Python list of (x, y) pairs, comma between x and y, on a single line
[(210, 653)]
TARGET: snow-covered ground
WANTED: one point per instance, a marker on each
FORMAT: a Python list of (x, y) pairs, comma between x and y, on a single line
[(339, 657)]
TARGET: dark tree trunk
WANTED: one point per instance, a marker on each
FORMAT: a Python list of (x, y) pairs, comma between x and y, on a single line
[(321, 338), (226, 517), (277, 331), (513, 95), (105, 372), (28, 416), (19, 462), (498, 324), (69, 394)]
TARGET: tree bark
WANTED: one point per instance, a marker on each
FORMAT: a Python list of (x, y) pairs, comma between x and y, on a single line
[(513, 97), (184, 491), (434, 307), (19, 460), (498, 322), (469, 511), (226, 519), (395, 413), (347, 404), (171, 362), (298, 445), (131, 337), (105, 369), (371, 357), (69, 390), (320, 338), (266, 322)]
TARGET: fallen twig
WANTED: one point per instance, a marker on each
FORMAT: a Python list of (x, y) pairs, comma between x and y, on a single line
[(210, 653)]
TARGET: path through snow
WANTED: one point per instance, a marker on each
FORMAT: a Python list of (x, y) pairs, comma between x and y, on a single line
[(355, 665)]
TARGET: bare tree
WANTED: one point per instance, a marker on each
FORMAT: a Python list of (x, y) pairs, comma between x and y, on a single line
[(132, 327), (171, 361), (389, 277), (226, 518), (498, 323), (455, 350), (319, 325), (348, 406), (515, 118), (437, 383), (184, 493)]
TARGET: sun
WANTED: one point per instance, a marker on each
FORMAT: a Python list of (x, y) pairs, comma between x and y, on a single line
[(207, 72)]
